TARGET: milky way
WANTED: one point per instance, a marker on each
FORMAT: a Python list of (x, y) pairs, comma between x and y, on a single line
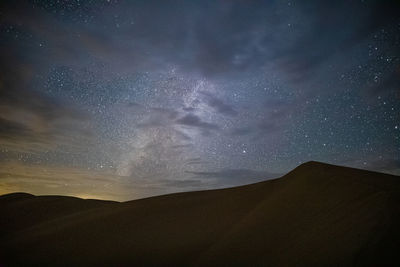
[(126, 99)]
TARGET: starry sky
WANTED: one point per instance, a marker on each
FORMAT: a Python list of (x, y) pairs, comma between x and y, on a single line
[(128, 99)]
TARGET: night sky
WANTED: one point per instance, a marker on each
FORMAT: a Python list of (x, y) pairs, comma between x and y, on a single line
[(128, 99)]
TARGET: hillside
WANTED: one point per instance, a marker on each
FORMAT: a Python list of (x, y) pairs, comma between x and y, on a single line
[(318, 214)]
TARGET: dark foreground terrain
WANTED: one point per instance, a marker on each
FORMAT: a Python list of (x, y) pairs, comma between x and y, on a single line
[(318, 214)]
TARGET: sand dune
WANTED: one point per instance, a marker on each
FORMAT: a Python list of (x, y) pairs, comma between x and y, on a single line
[(316, 215)]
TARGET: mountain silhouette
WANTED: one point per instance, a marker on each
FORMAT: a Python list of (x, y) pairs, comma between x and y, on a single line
[(316, 215)]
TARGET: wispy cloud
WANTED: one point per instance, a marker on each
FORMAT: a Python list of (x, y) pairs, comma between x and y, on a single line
[(192, 120)]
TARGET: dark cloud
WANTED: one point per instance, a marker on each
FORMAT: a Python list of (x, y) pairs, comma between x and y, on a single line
[(189, 109), (219, 105), (10, 130), (195, 161), (31, 120), (322, 42), (192, 39), (34, 122), (192, 120)]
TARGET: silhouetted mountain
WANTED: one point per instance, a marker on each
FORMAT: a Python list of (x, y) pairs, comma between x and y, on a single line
[(318, 214)]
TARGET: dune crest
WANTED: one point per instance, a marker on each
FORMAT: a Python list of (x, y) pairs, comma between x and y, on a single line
[(317, 214)]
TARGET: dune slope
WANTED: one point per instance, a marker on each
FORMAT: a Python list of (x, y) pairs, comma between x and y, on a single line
[(316, 215)]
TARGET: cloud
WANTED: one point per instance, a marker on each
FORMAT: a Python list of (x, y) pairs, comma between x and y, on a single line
[(157, 117), (256, 36), (30, 121), (219, 105), (189, 109), (195, 161), (192, 120)]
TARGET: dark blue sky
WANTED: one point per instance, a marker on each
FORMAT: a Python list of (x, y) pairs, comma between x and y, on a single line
[(125, 99)]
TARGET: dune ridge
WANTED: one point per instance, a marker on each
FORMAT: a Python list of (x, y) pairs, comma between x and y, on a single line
[(316, 215)]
